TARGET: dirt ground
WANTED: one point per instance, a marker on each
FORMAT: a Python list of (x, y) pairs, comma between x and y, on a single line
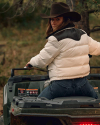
[(1, 101)]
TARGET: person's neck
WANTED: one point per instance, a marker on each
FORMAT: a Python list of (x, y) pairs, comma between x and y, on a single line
[(67, 26)]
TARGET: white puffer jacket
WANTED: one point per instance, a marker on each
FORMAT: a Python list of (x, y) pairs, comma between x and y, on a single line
[(66, 54)]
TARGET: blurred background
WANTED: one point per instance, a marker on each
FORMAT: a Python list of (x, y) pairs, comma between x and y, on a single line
[(23, 36)]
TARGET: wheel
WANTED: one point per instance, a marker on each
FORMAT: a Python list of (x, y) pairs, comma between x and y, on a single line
[(17, 120), (54, 121)]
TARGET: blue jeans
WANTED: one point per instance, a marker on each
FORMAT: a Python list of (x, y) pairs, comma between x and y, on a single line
[(68, 87)]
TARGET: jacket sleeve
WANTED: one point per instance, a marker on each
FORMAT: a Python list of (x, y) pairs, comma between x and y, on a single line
[(47, 54), (94, 47)]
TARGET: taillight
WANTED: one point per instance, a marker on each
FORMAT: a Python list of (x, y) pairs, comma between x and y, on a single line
[(86, 123), (12, 110), (21, 91), (30, 92), (27, 92), (89, 124)]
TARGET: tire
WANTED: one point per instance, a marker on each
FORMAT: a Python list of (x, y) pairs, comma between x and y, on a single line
[(29, 120), (17, 120), (54, 121)]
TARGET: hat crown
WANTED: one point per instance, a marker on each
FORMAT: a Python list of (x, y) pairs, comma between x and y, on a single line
[(58, 8)]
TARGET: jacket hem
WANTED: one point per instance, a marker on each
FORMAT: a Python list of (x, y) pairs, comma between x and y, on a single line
[(71, 77)]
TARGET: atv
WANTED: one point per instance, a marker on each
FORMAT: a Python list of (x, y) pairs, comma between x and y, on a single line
[(21, 105)]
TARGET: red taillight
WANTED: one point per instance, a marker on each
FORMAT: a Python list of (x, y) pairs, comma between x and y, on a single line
[(89, 124), (86, 123), (12, 110), (31, 92), (21, 91)]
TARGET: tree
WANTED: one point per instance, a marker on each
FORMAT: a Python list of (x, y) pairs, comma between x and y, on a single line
[(21, 6), (18, 4), (85, 7)]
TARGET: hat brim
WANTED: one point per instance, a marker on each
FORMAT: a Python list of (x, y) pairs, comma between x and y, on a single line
[(74, 16)]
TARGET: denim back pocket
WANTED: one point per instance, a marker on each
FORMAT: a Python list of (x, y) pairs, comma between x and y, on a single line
[(81, 82)]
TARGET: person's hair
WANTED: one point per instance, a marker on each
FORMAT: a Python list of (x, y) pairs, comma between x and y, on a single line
[(66, 21)]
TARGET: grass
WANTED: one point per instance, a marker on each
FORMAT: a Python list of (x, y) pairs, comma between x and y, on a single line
[(3, 79), (20, 46)]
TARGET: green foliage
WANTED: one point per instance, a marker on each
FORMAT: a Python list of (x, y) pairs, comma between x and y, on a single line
[(6, 33), (3, 80), (28, 19), (88, 5)]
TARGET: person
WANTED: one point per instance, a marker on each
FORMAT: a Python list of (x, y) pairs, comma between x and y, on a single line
[(66, 55)]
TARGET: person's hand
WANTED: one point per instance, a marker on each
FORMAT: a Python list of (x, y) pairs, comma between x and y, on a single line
[(27, 65)]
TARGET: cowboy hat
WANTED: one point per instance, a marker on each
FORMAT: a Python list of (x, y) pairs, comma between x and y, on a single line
[(60, 8)]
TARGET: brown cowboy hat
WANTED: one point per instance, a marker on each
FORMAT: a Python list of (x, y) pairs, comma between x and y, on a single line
[(60, 8)]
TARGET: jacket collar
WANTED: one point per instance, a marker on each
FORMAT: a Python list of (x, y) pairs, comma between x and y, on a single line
[(70, 25)]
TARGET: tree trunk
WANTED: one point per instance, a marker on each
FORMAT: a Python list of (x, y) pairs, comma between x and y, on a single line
[(84, 23)]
